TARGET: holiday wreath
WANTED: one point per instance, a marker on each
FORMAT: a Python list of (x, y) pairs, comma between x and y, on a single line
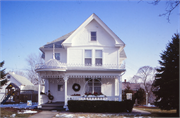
[(76, 87)]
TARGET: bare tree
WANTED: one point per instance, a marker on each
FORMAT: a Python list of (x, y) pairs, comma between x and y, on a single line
[(170, 6), (134, 79), (18, 72), (146, 76), (32, 60)]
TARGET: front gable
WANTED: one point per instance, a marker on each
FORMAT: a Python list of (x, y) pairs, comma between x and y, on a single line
[(81, 36)]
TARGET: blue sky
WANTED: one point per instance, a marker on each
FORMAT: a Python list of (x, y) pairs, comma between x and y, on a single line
[(26, 26)]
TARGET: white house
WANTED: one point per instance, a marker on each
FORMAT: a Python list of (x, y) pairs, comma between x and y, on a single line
[(86, 60)]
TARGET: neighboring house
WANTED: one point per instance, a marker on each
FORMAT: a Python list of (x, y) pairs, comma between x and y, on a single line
[(135, 87), (14, 79), (88, 60), (29, 92), (18, 79)]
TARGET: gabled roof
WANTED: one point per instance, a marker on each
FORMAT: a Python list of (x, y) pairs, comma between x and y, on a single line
[(20, 79), (12, 85), (57, 42), (118, 41), (30, 87), (65, 40)]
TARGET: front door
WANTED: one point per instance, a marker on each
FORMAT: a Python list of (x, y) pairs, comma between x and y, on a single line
[(57, 90)]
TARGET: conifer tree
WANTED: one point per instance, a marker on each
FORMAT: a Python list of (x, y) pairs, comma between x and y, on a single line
[(2, 74), (166, 82)]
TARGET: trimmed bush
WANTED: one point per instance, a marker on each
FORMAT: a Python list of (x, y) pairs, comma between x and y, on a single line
[(100, 106)]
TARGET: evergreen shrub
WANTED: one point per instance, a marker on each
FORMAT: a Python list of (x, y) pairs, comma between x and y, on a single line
[(100, 106)]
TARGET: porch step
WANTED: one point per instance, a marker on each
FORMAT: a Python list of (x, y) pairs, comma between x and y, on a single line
[(53, 106)]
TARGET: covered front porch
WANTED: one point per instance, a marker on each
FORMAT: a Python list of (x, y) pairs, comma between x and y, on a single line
[(80, 85)]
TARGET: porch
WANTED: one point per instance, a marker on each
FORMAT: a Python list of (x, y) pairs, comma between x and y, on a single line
[(62, 87), (65, 80)]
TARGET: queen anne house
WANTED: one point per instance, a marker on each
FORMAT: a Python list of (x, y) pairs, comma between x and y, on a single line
[(85, 64)]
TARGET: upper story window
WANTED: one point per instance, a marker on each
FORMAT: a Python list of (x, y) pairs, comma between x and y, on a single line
[(98, 57), (57, 56), (93, 36), (88, 57)]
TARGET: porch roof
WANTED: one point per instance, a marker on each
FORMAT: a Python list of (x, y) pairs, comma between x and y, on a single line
[(54, 65)]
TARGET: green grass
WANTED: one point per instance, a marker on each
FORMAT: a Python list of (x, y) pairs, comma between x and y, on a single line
[(7, 112)]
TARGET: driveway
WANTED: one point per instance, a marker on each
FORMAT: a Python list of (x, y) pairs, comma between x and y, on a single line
[(51, 114)]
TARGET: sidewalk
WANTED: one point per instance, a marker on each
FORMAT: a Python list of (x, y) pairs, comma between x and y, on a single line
[(51, 114), (44, 114)]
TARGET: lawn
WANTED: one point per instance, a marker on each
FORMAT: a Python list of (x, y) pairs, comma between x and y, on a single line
[(7, 112), (156, 112)]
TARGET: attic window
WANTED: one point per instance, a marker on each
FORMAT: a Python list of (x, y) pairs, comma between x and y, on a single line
[(93, 36)]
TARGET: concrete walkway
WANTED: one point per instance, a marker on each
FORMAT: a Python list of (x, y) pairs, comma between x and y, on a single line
[(51, 114), (44, 114)]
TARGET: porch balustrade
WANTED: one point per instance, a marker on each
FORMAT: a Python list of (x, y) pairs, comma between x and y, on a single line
[(107, 98), (79, 66)]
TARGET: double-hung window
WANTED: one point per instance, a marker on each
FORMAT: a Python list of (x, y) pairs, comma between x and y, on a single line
[(98, 57), (93, 36), (88, 57)]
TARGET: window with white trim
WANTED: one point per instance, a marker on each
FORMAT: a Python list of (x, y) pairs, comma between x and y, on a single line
[(89, 86), (98, 57), (60, 87), (93, 36), (88, 57), (57, 56)]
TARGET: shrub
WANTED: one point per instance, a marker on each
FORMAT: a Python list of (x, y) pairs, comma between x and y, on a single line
[(100, 106)]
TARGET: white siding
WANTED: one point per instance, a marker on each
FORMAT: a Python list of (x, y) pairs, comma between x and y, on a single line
[(75, 56), (71, 81), (63, 55), (83, 37), (108, 87)]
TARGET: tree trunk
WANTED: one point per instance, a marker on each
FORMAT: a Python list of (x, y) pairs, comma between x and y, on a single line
[(177, 111)]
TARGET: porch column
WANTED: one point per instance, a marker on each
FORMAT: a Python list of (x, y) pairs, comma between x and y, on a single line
[(65, 97), (120, 88), (92, 85), (48, 85), (39, 95)]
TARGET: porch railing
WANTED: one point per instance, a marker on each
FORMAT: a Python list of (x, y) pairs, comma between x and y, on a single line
[(79, 66), (107, 98)]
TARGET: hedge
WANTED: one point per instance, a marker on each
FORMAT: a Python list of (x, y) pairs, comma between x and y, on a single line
[(100, 106)]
